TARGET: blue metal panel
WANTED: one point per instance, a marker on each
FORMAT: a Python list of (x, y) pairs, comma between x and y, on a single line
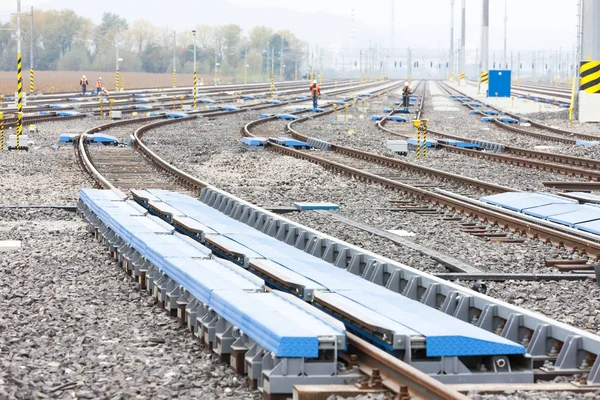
[(499, 83), (254, 141), (68, 113), (585, 213), (445, 335), (59, 106), (519, 201), (206, 101), (274, 102), (316, 110), (274, 322), (287, 116), (376, 118), (229, 108), (397, 118), (68, 137), (174, 115), (143, 108), (430, 142)]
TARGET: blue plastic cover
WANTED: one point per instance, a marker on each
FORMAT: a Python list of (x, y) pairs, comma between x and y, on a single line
[(316, 110), (59, 106), (206, 101), (508, 120), (473, 112), (142, 100), (287, 116), (550, 210), (143, 107), (174, 115), (376, 118), (584, 213), (229, 108), (68, 137), (402, 111), (487, 119), (254, 141), (519, 201), (274, 102), (396, 118), (104, 138)]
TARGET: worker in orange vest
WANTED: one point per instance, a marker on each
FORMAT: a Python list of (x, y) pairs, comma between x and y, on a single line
[(99, 85), (83, 83), (315, 92)]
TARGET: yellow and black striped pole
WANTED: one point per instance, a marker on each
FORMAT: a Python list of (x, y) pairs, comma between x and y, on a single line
[(31, 83), (174, 78), (117, 81), (485, 77), (19, 99), (590, 76), (101, 113), (1, 132), (424, 125), (272, 83), (111, 101), (195, 88), (122, 83), (417, 124)]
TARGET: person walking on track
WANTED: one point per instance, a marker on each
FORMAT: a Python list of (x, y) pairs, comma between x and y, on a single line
[(315, 91), (83, 83)]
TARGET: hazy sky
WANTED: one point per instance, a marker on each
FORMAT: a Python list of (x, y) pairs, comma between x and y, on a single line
[(533, 24)]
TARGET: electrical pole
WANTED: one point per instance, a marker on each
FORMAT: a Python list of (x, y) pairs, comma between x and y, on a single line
[(195, 76), (174, 59), (281, 60), (505, 30), (393, 26), (462, 60), (117, 61), (485, 51), (31, 81), (451, 39)]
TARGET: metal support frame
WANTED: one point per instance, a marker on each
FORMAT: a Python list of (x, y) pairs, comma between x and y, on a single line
[(520, 325)]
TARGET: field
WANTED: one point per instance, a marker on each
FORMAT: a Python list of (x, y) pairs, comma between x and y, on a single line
[(68, 81)]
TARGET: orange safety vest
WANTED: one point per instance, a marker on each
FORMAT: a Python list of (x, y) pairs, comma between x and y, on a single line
[(98, 84), (316, 90)]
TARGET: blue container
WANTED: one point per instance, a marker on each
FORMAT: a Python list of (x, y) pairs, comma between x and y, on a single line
[(499, 83)]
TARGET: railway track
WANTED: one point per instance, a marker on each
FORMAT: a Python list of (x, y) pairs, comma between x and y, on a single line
[(536, 130), (116, 172), (451, 207)]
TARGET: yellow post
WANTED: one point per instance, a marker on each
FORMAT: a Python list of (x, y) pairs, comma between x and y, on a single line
[(195, 88), (1, 100), (122, 83), (181, 102), (110, 102), (573, 88), (272, 84), (117, 81), (31, 85), (174, 103), (1, 132), (101, 113), (19, 99), (335, 112), (345, 112), (424, 127), (174, 78), (417, 124)]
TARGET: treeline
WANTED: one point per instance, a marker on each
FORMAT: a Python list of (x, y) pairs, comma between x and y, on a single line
[(63, 40)]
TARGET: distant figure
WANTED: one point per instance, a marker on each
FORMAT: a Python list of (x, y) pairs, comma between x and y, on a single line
[(103, 92), (99, 85), (83, 83), (315, 92), (405, 95)]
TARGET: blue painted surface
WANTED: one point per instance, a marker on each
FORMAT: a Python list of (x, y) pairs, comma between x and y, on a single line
[(519, 201), (445, 336), (584, 213), (263, 116), (68, 137), (387, 110), (490, 112), (254, 141), (248, 97), (396, 118), (142, 101), (499, 83), (274, 102), (508, 120), (473, 112), (288, 142), (143, 107), (175, 115), (430, 142), (487, 119), (100, 137), (591, 227), (316, 206), (550, 210), (59, 106), (376, 118), (229, 108), (287, 116), (67, 113), (403, 111), (277, 321), (316, 110), (586, 143)]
